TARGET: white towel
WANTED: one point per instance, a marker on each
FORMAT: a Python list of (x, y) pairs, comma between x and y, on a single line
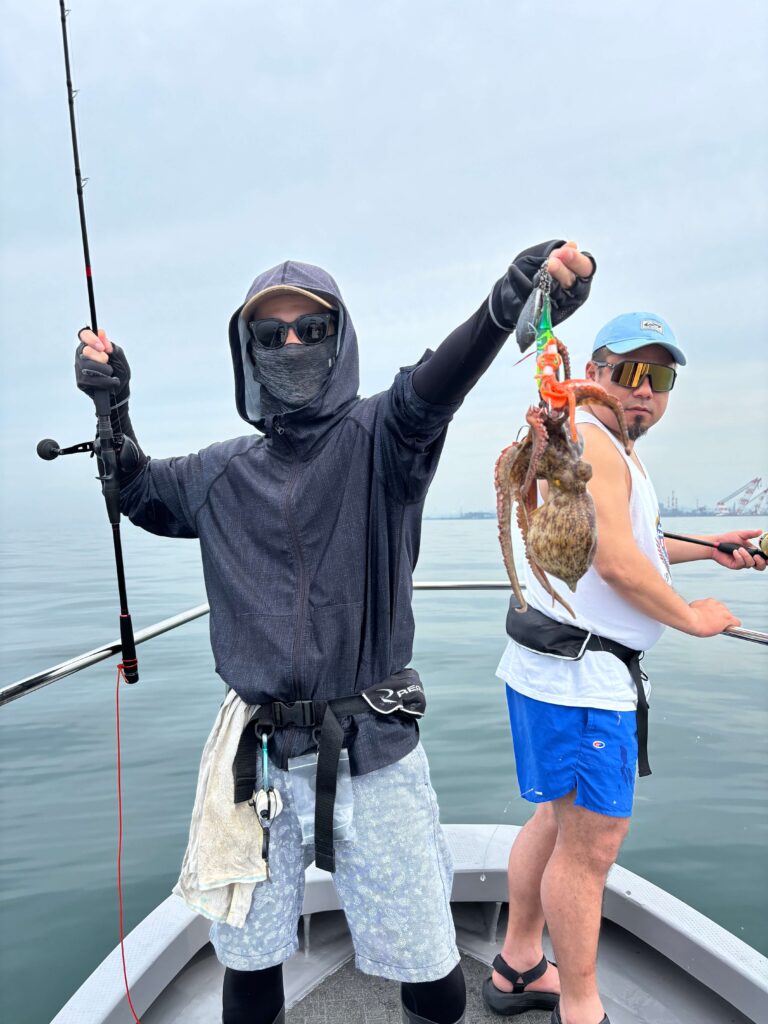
[(223, 860)]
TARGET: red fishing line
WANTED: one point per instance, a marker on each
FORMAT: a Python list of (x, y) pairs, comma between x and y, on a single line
[(121, 675)]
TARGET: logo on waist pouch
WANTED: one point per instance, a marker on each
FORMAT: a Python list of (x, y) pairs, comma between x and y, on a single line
[(409, 700), (598, 744)]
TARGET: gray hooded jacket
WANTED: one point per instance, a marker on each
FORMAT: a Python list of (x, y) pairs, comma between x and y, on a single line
[(309, 532)]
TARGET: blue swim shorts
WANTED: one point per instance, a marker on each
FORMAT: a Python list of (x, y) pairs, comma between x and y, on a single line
[(559, 749)]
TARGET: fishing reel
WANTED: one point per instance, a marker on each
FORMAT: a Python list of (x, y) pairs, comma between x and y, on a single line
[(48, 450), (103, 447)]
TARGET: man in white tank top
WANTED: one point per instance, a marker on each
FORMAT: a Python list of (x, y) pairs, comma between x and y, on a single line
[(574, 721)]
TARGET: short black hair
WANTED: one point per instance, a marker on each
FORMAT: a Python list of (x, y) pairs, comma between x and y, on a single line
[(599, 355)]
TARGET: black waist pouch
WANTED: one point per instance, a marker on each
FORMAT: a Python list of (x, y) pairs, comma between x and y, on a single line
[(537, 632), (400, 694)]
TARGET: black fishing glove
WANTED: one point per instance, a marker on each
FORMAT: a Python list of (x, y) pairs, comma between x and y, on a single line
[(114, 376), (511, 291)]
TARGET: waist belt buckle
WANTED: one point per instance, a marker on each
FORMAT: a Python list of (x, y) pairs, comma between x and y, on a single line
[(297, 712)]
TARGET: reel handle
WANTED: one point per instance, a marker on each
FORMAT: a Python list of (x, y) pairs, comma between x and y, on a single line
[(49, 449)]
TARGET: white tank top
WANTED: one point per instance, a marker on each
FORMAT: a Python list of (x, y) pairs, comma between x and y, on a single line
[(598, 679)]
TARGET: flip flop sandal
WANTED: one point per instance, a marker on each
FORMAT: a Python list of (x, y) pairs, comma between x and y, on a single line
[(509, 1004), (555, 1018)]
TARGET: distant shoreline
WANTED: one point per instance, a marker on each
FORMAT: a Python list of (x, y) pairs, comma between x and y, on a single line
[(666, 513)]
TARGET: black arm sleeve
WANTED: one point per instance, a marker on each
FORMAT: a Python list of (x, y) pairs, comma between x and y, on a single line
[(460, 361)]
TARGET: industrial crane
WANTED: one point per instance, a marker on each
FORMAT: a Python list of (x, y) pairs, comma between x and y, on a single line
[(747, 491), (759, 504)]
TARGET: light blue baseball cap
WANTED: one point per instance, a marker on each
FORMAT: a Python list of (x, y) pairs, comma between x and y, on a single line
[(629, 331)]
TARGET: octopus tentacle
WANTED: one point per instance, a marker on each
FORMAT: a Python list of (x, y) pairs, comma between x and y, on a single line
[(544, 581), (503, 482), (540, 440), (597, 395), (572, 416), (564, 355), (526, 505)]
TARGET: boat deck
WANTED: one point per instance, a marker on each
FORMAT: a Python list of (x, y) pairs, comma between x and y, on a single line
[(639, 986), (659, 962)]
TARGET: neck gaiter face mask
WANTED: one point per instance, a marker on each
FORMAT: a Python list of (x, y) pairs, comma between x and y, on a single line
[(294, 374)]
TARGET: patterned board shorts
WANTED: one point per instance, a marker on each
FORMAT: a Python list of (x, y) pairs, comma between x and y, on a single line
[(393, 880)]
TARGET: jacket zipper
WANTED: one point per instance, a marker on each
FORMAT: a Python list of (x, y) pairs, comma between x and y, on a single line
[(395, 602), (300, 616)]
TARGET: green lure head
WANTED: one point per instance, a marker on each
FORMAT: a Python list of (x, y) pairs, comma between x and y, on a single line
[(544, 332)]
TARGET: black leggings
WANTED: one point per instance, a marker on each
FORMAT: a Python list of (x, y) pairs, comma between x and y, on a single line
[(256, 997), (253, 997), (441, 1002)]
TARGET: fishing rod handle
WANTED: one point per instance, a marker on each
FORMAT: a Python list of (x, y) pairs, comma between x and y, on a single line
[(129, 662), (728, 548)]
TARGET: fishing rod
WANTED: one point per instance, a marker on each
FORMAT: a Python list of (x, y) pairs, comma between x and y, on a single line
[(103, 447), (727, 547), (106, 451)]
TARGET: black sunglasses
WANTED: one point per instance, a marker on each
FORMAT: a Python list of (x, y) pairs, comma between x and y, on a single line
[(310, 329), (631, 373)]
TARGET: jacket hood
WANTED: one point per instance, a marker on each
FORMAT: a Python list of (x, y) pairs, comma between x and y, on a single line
[(339, 391)]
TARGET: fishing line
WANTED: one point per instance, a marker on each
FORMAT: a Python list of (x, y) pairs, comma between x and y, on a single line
[(499, 824), (121, 676)]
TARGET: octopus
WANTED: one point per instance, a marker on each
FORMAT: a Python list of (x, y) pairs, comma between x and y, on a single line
[(560, 536)]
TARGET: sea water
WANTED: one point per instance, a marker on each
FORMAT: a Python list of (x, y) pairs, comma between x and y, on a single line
[(700, 824)]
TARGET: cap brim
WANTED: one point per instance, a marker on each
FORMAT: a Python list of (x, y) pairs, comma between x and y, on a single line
[(281, 289), (621, 348)]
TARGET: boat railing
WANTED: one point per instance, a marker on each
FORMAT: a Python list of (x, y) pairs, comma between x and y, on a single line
[(29, 684)]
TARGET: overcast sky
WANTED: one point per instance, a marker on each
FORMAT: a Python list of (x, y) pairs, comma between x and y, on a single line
[(411, 148)]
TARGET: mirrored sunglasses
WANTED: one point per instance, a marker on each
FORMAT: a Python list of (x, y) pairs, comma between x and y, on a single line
[(310, 329), (630, 374)]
